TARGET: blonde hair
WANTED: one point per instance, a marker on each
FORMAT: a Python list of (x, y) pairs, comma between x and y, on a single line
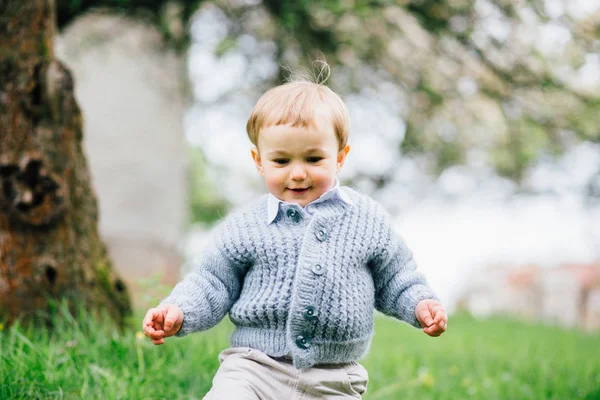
[(295, 103)]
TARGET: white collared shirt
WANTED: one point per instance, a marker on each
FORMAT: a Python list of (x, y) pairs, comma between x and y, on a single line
[(336, 191)]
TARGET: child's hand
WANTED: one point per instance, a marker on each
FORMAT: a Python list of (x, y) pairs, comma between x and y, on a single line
[(162, 321), (432, 317)]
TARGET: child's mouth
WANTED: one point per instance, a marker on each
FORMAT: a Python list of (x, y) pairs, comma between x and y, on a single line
[(299, 191)]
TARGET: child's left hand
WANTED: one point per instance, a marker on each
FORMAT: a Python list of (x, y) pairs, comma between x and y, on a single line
[(431, 314)]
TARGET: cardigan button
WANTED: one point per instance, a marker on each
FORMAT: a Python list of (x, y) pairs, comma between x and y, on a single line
[(303, 341), (322, 234), (293, 215), (318, 269), (310, 313)]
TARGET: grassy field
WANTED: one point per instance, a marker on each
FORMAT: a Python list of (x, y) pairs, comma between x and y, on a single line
[(475, 359)]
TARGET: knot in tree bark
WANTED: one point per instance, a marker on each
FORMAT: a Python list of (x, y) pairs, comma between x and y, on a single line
[(33, 195)]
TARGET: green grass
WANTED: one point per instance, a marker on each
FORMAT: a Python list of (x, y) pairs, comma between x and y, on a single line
[(479, 359)]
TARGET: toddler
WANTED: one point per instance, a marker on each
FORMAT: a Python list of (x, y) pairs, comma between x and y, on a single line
[(301, 269)]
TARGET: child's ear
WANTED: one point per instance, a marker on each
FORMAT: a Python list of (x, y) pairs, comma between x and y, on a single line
[(341, 157), (257, 160)]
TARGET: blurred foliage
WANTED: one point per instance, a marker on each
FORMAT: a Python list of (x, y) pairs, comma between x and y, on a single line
[(206, 206), (485, 70), (155, 12)]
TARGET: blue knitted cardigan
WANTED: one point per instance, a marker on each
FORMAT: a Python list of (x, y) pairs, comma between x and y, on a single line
[(305, 285)]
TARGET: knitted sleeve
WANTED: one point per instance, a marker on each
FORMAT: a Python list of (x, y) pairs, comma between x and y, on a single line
[(399, 287), (207, 293)]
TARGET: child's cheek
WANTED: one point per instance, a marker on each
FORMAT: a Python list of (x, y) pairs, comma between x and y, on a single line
[(273, 183)]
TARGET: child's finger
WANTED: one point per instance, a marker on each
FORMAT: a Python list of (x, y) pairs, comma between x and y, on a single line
[(147, 328), (174, 316), (429, 330), (153, 333), (158, 341), (151, 315), (427, 320), (440, 327), (169, 320), (439, 317), (436, 308), (443, 324), (147, 318), (435, 333), (433, 330)]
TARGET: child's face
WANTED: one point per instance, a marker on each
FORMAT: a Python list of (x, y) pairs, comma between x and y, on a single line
[(299, 164)]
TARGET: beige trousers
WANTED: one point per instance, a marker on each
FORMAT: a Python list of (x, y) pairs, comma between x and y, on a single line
[(249, 374)]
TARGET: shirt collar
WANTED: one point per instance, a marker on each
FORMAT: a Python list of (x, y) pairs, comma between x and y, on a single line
[(336, 191)]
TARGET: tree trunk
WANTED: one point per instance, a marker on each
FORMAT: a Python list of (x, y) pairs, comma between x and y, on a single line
[(49, 243)]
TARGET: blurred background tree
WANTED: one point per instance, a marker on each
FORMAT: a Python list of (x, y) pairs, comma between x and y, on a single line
[(50, 249)]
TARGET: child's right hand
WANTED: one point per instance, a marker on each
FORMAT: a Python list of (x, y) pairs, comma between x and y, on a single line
[(162, 321)]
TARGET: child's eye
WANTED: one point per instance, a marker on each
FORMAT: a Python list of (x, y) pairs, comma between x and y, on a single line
[(280, 161), (314, 159)]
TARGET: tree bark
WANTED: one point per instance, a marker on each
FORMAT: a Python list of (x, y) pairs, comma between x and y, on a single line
[(50, 248)]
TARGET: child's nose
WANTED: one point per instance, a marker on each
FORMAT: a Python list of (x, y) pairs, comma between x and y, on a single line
[(298, 173)]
